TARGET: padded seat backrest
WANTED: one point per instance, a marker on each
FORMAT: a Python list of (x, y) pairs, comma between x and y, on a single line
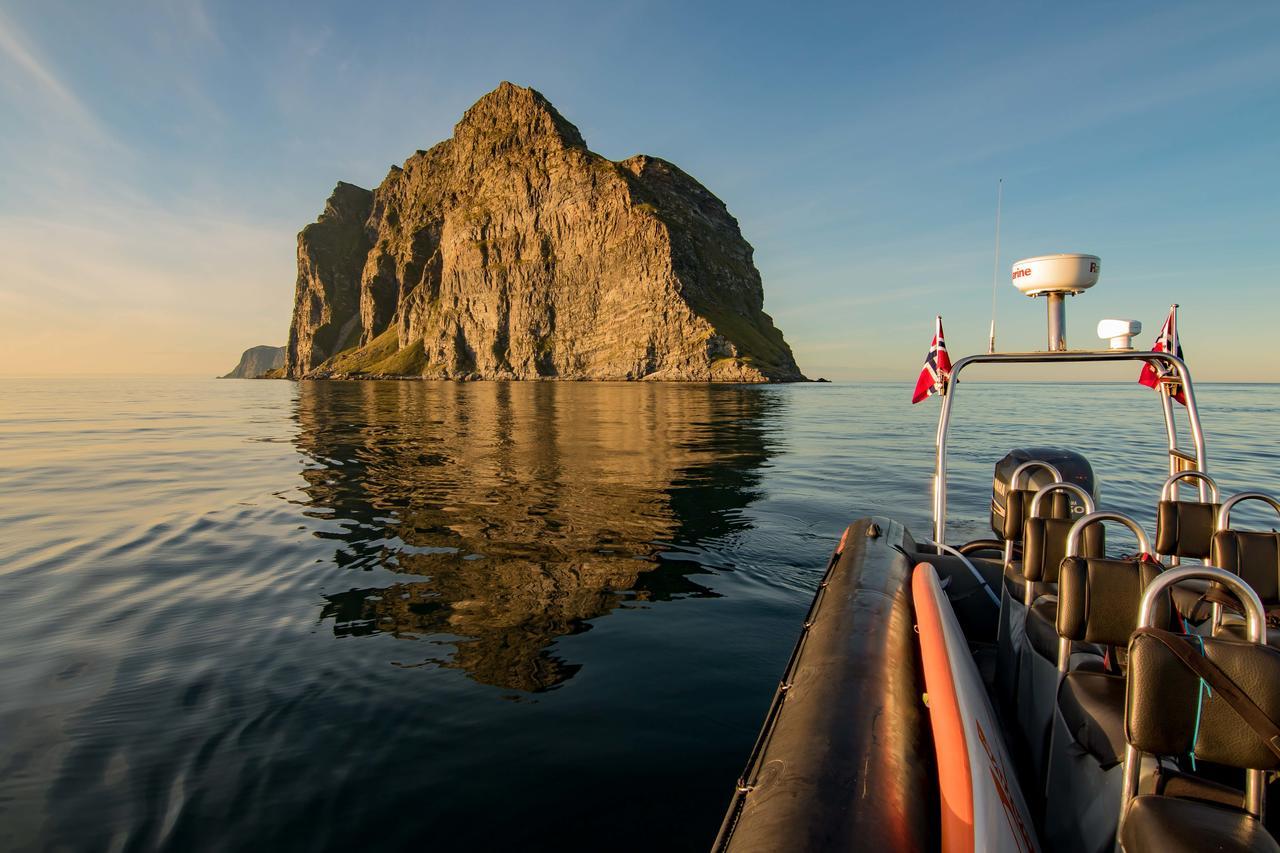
[(1098, 599), (1185, 528), (1166, 713), (1044, 544), (1018, 510), (1254, 556)]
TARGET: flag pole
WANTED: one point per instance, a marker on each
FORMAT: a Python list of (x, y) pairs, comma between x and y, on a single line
[(1166, 402), (940, 341)]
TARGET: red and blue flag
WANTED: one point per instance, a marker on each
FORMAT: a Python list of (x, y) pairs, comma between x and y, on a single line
[(1154, 374), (936, 372)]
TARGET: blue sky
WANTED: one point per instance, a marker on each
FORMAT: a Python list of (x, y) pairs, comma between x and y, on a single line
[(158, 159)]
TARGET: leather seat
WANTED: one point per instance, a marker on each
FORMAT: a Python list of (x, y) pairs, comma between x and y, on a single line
[(1018, 510), (1185, 528), (1188, 786), (1188, 598), (1014, 582), (1044, 544), (1167, 715), (1044, 547), (1254, 556), (1042, 635), (1092, 706), (1010, 634), (1042, 628), (1169, 824), (1098, 602), (1236, 630)]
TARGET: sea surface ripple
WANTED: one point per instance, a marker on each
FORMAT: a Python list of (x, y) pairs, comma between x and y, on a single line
[(460, 616)]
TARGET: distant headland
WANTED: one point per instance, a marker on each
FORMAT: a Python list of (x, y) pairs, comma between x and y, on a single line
[(511, 251), (260, 362)]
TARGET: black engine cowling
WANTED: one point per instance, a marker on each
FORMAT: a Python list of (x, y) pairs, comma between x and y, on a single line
[(1073, 467)]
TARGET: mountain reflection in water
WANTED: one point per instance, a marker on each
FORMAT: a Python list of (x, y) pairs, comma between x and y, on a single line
[(268, 615), (516, 512)]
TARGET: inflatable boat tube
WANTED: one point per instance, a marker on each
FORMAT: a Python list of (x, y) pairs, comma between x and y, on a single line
[(981, 805), (845, 760)]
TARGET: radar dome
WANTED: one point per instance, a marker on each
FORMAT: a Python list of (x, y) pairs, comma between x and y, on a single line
[(1066, 273)]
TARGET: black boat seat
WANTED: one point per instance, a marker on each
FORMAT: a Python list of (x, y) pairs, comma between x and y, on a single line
[(1098, 598), (1188, 598), (1010, 636), (1161, 823), (1185, 528), (1189, 786), (1168, 715), (1254, 556), (1014, 582), (1044, 544), (1018, 510), (1098, 603), (1042, 634), (1092, 706), (1236, 630)]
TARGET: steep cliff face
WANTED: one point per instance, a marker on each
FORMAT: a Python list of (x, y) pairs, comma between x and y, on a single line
[(256, 362), (510, 251), (331, 255)]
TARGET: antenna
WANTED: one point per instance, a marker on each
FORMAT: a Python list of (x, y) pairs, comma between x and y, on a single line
[(995, 267)]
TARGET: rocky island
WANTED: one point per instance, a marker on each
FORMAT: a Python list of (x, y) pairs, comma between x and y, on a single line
[(511, 251), (258, 362)]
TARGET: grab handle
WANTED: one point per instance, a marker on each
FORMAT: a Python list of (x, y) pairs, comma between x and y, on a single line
[(1077, 530), (1224, 514)]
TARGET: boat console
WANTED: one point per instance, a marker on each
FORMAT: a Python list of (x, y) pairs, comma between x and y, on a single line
[(1035, 690)]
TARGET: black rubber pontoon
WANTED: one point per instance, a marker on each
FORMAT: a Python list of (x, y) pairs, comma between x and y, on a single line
[(845, 760)]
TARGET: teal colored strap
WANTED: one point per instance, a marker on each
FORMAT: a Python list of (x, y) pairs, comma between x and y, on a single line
[(1204, 688)]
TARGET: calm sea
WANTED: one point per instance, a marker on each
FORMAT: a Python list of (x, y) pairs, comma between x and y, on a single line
[(439, 616)]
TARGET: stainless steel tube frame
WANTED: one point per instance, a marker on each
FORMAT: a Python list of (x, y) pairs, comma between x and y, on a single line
[(1016, 477), (1170, 488), (1256, 621), (1030, 589), (953, 385), (1170, 491), (1224, 514), (1060, 486), (1014, 483), (1074, 535)]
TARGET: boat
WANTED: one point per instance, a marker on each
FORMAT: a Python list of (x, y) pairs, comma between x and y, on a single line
[(1034, 690)]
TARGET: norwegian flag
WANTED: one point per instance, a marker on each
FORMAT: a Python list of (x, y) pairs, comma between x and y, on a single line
[(936, 372), (1156, 374)]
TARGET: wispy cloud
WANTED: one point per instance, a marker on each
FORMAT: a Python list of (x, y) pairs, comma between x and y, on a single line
[(18, 49), (119, 289)]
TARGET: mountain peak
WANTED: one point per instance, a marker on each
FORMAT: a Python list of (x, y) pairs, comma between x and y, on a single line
[(516, 114)]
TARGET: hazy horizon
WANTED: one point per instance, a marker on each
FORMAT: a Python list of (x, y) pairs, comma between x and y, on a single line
[(161, 160)]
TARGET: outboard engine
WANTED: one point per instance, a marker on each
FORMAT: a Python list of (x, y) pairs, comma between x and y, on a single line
[(1073, 466)]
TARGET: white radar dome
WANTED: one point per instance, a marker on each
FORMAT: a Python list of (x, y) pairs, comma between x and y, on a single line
[(1069, 273)]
